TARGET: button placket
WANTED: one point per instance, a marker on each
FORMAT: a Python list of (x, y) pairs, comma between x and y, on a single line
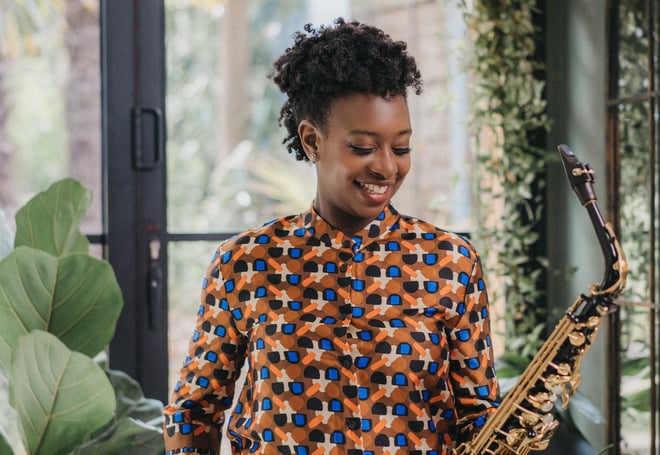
[(346, 269), (346, 308)]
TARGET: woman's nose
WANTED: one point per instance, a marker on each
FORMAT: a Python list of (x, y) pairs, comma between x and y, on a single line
[(384, 164)]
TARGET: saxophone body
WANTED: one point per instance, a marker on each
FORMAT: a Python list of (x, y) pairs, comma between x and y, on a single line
[(525, 421)]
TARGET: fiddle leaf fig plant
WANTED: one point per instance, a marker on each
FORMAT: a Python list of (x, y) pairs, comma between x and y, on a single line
[(60, 396), (59, 307), (75, 297), (51, 221)]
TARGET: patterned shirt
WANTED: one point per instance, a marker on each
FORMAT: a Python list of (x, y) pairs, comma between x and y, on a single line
[(373, 344)]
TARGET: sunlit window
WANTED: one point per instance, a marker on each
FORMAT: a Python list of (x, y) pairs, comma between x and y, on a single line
[(50, 101), (50, 115)]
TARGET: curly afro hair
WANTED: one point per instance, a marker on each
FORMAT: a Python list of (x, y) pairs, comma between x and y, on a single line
[(334, 61)]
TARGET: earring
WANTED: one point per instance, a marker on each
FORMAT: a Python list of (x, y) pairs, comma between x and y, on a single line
[(313, 157)]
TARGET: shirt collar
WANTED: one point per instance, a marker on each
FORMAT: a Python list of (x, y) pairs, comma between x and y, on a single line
[(378, 228)]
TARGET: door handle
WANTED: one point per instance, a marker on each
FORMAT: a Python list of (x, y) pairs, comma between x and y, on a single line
[(155, 285), (140, 162)]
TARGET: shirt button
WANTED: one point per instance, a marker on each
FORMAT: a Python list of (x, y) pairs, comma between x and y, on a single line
[(352, 424), (345, 361), (346, 244), (343, 268)]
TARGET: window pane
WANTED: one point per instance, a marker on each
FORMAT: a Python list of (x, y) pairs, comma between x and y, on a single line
[(227, 167), (633, 48), (50, 98), (50, 125), (186, 269), (224, 145), (635, 213)]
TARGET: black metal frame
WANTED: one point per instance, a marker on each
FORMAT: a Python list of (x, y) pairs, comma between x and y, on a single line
[(614, 101), (135, 235), (133, 72)]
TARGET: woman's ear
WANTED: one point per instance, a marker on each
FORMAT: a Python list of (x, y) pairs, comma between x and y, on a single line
[(310, 137)]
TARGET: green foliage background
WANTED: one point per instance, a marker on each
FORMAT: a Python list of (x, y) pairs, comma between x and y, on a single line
[(509, 120)]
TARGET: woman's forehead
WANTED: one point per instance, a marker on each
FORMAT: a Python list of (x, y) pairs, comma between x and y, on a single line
[(362, 113)]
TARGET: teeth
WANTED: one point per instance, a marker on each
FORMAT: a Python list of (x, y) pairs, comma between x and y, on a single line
[(373, 188)]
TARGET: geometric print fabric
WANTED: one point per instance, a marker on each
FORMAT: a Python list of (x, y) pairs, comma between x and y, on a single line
[(373, 344)]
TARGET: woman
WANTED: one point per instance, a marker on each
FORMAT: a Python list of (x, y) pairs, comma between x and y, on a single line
[(363, 331)]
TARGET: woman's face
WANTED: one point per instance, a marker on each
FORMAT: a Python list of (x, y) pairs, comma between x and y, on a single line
[(362, 157)]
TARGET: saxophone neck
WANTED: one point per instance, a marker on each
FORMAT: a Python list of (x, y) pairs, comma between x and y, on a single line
[(581, 177), (616, 269)]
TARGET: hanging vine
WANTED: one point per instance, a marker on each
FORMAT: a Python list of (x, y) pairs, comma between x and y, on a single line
[(509, 121)]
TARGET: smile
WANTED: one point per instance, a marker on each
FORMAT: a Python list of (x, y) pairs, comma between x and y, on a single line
[(371, 188)]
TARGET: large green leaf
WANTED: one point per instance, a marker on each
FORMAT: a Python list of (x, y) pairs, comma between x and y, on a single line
[(131, 401), (50, 221), (137, 424), (6, 236), (75, 297), (130, 436), (5, 448), (580, 403), (61, 396)]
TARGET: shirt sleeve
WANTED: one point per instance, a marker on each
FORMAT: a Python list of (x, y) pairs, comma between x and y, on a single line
[(472, 370), (195, 414)]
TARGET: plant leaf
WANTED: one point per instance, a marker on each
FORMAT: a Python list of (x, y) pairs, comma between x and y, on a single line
[(129, 434), (76, 298), (585, 407), (137, 423), (5, 448), (50, 221), (131, 401), (61, 396), (6, 236)]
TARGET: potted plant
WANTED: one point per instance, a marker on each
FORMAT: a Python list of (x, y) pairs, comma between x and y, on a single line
[(58, 311)]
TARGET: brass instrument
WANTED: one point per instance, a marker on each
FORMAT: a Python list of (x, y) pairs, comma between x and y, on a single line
[(524, 421)]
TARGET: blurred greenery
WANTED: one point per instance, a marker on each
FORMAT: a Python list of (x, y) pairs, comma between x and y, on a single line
[(636, 208), (228, 181), (31, 55), (507, 122)]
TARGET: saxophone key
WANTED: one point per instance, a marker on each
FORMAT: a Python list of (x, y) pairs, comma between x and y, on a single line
[(577, 338), (515, 436), (542, 401), (527, 417)]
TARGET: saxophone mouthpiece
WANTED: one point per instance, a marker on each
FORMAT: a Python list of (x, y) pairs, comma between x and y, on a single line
[(579, 174)]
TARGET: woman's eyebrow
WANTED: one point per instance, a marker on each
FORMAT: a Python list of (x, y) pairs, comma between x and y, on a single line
[(374, 134)]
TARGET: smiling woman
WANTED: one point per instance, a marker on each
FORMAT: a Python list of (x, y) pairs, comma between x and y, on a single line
[(323, 309), (224, 146)]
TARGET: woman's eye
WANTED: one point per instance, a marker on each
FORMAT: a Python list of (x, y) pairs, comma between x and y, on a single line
[(362, 150), (401, 150)]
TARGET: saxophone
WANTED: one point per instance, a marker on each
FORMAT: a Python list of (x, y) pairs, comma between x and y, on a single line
[(524, 421)]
